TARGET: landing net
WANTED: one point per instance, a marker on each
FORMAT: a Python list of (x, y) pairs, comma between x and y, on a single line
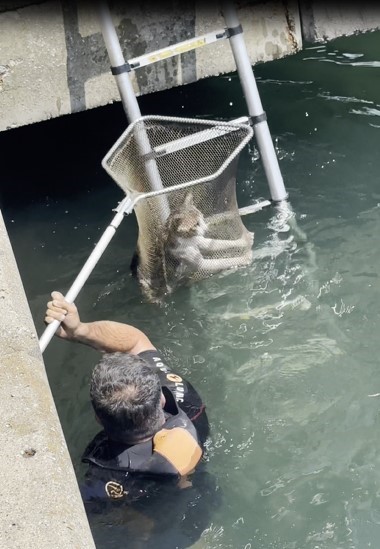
[(181, 176)]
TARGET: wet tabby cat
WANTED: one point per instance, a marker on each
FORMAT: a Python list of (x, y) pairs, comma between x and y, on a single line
[(184, 250)]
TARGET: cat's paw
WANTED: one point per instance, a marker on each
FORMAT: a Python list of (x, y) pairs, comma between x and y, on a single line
[(192, 256), (247, 257), (250, 238)]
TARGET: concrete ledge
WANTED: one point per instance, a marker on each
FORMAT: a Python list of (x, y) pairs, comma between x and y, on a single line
[(41, 504), (53, 59), (325, 20)]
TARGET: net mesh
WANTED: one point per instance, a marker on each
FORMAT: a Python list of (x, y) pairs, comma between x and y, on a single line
[(181, 174)]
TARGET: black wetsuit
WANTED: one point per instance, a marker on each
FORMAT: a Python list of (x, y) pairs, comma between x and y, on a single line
[(126, 472), (184, 393)]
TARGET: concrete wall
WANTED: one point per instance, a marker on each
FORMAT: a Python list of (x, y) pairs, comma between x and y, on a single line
[(40, 501), (53, 59), (323, 20)]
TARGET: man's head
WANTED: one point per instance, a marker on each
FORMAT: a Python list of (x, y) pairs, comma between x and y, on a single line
[(126, 395)]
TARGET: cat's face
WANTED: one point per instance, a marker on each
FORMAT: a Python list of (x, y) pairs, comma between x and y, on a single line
[(188, 221), (191, 223)]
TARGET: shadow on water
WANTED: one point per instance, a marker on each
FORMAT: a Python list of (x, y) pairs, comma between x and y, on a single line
[(284, 352)]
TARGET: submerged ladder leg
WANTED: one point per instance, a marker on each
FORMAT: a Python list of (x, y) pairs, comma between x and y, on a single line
[(255, 108), (285, 217)]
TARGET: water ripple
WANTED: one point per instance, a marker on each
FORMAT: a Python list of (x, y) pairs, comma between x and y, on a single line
[(343, 98)]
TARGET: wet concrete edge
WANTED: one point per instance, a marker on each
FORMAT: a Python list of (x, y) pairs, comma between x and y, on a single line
[(41, 505)]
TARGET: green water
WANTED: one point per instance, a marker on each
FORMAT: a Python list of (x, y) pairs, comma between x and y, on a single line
[(285, 352)]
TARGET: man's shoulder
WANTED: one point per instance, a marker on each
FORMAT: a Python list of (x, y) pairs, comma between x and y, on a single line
[(174, 450), (141, 469), (179, 448)]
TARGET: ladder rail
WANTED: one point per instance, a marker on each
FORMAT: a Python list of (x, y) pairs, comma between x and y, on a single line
[(255, 108), (129, 99)]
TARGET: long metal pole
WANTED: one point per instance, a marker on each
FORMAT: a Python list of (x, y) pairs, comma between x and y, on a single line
[(255, 108), (124, 207)]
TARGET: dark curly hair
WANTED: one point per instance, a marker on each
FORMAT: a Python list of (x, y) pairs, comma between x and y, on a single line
[(126, 396)]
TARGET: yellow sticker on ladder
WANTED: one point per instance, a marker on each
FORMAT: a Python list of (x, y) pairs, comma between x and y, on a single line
[(177, 50)]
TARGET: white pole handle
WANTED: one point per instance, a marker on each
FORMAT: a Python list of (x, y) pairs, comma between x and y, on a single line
[(124, 207)]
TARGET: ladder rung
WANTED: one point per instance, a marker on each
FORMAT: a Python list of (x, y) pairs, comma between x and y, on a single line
[(177, 49), (199, 137), (256, 207)]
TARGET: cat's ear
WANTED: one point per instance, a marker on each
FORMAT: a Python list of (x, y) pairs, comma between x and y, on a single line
[(189, 200)]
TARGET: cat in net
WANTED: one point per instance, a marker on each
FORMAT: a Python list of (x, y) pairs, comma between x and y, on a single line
[(185, 251)]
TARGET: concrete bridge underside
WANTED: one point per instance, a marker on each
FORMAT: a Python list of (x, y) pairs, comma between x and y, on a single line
[(53, 60)]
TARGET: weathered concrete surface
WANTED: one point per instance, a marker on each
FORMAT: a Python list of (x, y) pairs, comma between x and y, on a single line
[(53, 60), (326, 20), (271, 30), (33, 81), (40, 501)]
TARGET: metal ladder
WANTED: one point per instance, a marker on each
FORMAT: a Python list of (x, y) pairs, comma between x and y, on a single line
[(233, 32)]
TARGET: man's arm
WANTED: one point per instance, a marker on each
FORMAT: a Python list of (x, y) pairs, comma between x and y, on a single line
[(103, 335)]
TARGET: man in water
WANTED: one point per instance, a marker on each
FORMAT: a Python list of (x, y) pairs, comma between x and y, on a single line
[(154, 422)]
